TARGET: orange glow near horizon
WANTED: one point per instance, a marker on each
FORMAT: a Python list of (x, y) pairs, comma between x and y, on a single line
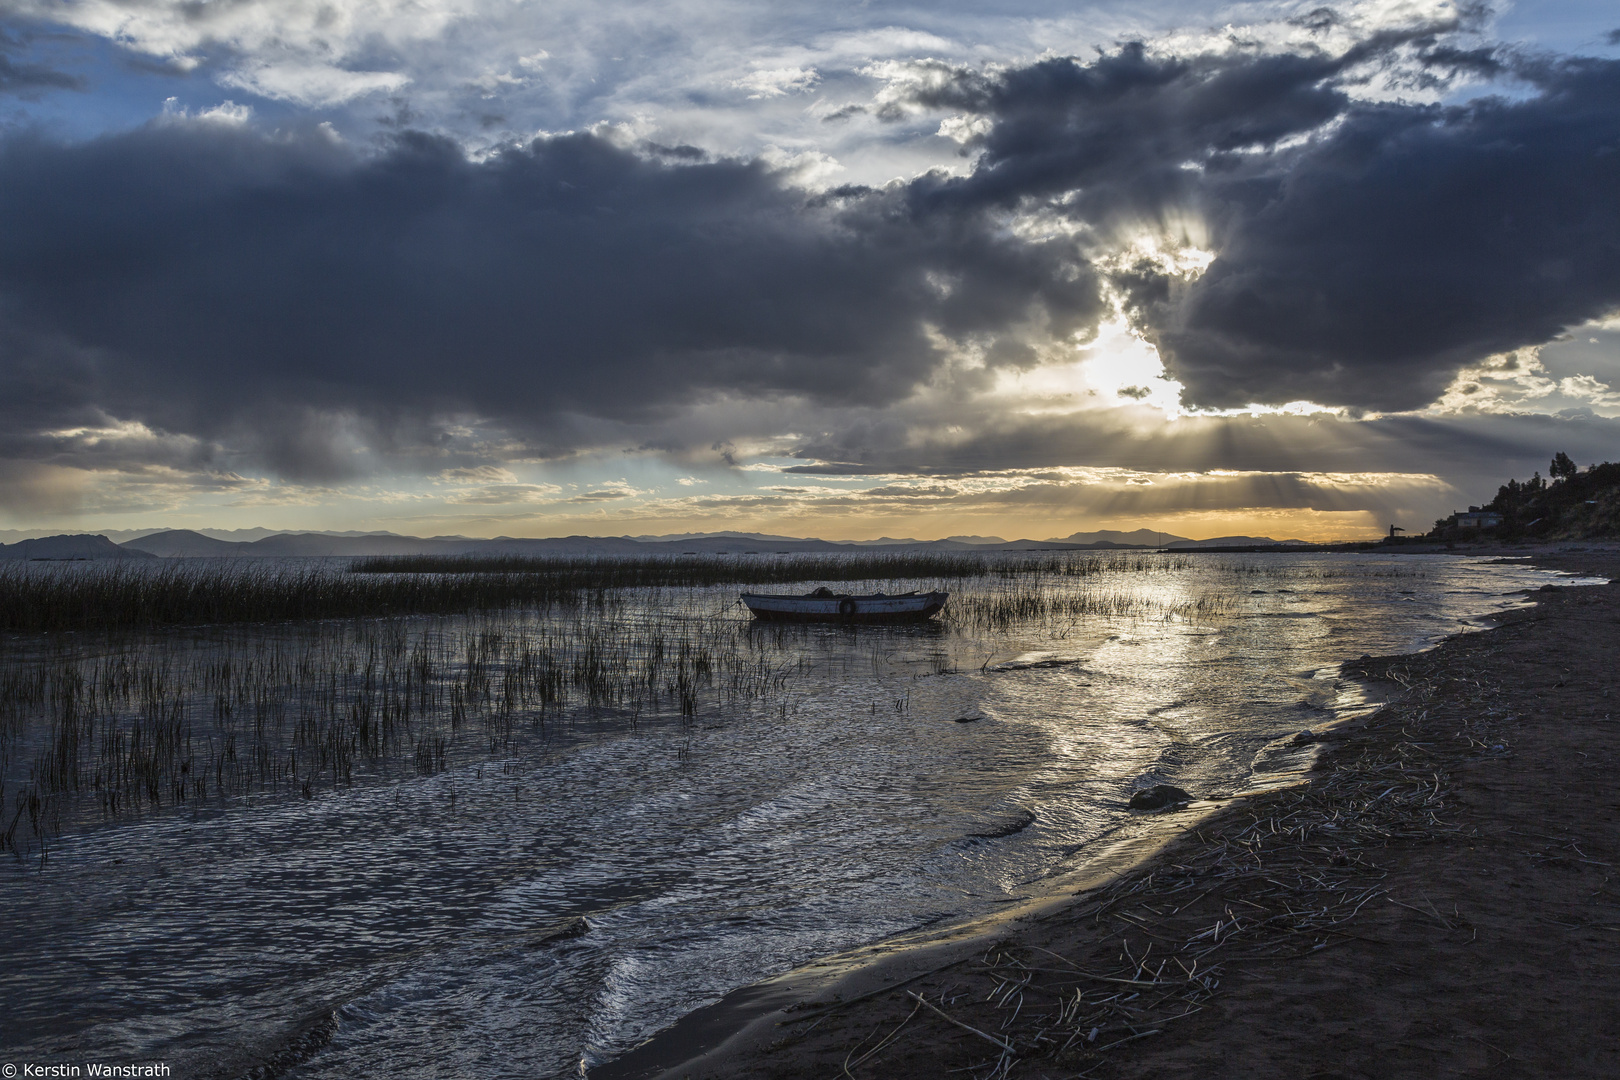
[(1316, 526)]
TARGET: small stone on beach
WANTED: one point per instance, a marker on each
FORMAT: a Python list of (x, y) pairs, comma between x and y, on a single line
[(1158, 797)]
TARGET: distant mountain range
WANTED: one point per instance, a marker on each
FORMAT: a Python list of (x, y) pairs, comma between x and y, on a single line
[(1235, 541), (1139, 538), (73, 546), (119, 536), (188, 543)]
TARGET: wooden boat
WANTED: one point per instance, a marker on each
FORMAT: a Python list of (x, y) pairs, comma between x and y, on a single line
[(824, 605)]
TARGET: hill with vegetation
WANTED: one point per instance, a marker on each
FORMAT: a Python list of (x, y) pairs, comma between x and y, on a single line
[(1572, 504)]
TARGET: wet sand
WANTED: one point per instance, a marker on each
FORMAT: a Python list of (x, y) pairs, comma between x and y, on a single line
[(1439, 899)]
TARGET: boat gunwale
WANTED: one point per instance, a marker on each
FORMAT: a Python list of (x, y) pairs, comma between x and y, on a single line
[(880, 607)]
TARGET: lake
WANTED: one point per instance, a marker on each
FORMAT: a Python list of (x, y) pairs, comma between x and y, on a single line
[(512, 843)]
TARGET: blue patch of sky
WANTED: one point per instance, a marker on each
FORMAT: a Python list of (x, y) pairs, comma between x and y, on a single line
[(1570, 26), (621, 57), (121, 89)]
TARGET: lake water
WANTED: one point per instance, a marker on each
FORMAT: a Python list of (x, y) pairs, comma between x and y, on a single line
[(558, 895)]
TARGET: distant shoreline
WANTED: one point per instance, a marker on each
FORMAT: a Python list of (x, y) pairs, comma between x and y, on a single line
[(186, 543)]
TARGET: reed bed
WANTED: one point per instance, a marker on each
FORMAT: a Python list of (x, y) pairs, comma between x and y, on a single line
[(1089, 563), (137, 715), (1271, 567), (120, 595), (134, 725), (37, 598), (693, 571), (1037, 601), (616, 571)]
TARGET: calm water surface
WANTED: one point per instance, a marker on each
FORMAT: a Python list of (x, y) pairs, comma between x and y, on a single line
[(518, 913)]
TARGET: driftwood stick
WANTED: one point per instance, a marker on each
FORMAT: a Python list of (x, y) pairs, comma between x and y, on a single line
[(1077, 974), (1130, 1038), (848, 1064), (826, 1010), (965, 1027)]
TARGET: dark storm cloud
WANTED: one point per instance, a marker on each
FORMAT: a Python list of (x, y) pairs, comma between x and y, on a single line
[(216, 281), (1411, 242), (297, 302), (1365, 250), (24, 78)]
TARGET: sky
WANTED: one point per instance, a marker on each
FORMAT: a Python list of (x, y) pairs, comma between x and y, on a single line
[(836, 269)]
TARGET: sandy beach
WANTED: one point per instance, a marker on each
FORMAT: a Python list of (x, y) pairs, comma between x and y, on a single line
[(1438, 898)]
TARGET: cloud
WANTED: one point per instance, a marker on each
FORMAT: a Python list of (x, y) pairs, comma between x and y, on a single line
[(313, 84), (289, 293), (226, 112), (504, 494), (612, 491), (1364, 249), (338, 28), (1411, 242), (1277, 220), (1590, 389), (777, 82), (1470, 448), (26, 79), (487, 474), (1077, 494)]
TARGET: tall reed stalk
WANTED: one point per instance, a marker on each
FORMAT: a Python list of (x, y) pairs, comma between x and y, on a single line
[(138, 723)]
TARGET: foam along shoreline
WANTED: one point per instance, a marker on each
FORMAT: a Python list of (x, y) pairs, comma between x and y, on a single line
[(770, 1028), (749, 1018), (711, 1039)]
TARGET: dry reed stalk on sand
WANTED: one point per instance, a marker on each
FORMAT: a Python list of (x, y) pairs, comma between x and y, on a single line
[(1275, 878)]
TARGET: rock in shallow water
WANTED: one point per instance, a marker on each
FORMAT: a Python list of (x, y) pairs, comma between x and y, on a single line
[(1158, 797), (1024, 820)]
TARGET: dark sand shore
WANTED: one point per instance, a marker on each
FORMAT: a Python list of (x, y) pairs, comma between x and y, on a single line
[(1441, 898)]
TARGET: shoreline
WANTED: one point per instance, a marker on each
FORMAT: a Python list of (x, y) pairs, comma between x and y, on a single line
[(927, 1002), (750, 1016)]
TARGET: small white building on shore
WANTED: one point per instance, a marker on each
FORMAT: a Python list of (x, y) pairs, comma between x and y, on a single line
[(1475, 518)]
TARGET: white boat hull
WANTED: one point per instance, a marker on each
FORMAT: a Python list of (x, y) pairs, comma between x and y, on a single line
[(876, 608)]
